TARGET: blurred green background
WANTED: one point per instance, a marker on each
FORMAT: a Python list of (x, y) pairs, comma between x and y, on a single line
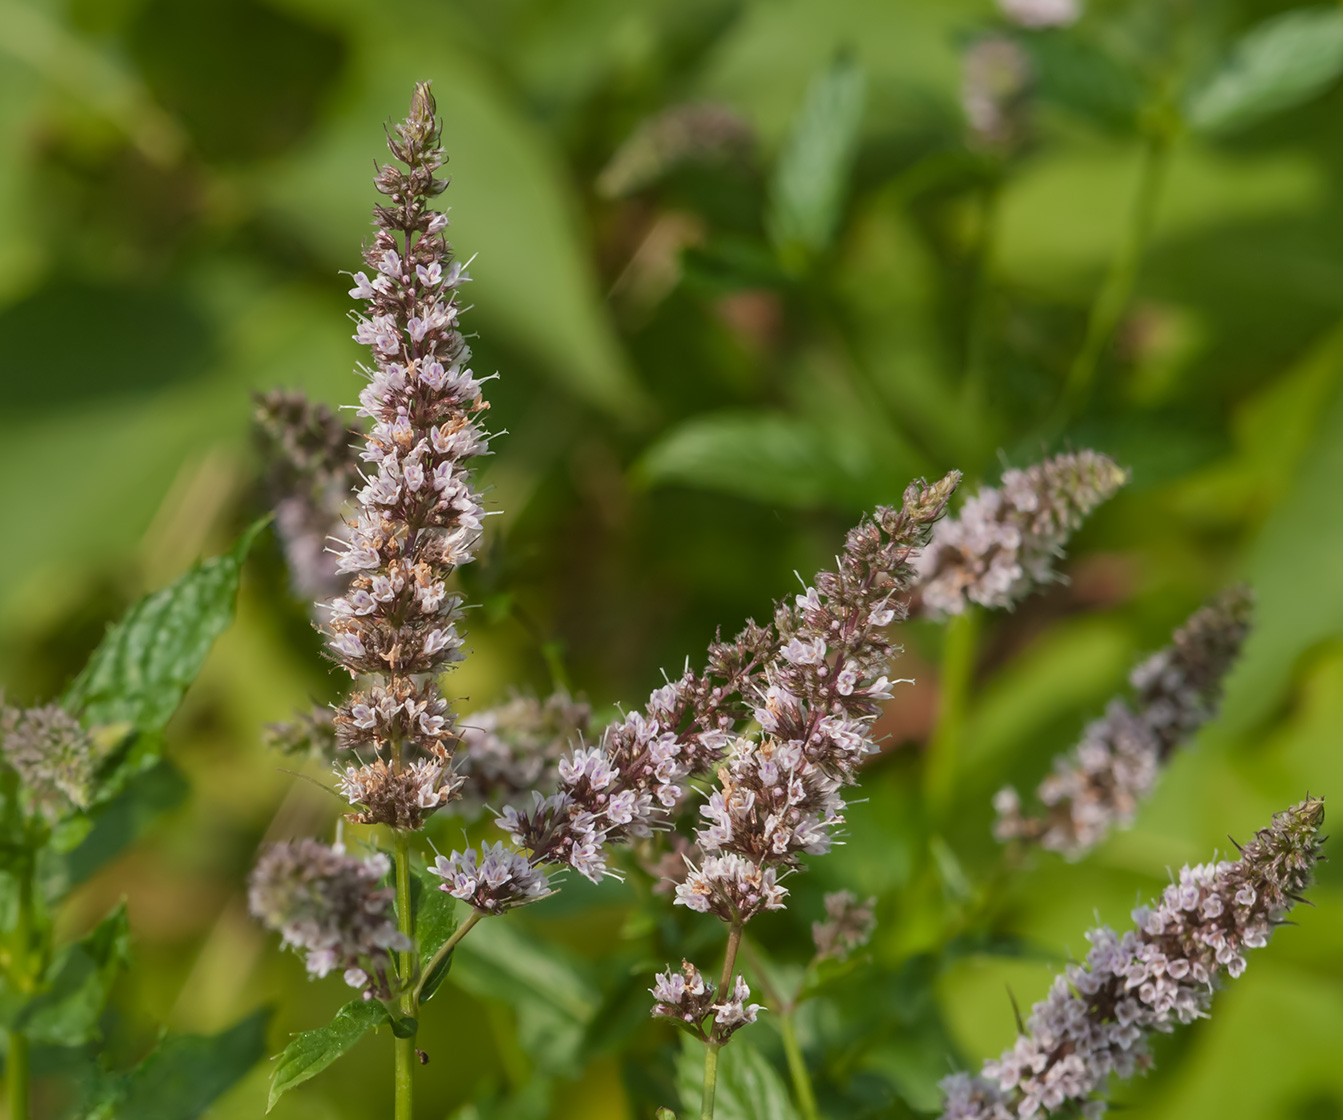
[(719, 342)]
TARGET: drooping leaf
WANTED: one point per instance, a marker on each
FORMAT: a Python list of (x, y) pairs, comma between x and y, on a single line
[(1280, 63), (186, 1074), (312, 1051), (143, 667), (811, 178), (67, 1010), (1085, 79), (748, 1087), (768, 458)]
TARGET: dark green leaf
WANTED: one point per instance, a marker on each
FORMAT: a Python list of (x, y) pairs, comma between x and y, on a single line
[(186, 1074), (312, 1051), (1086, 80), (748, 1087), (142, 668), (435, 922), (405, 1027), (811, 179), (1278, 64), (67, 1010)]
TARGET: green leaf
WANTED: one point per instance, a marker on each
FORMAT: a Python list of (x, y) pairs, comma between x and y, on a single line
[(775, 459), (435, 922), (811, 178), (184, 1075), (77, 984), (1276, 65), (312, 1051), (142, 668), (1084, 79), (748, 1087)]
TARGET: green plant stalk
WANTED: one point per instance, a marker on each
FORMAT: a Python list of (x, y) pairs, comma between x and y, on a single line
[(797, 1066), (16, 1064), (959, 647), (1123, 273), (711, 1048), (404, 1052)]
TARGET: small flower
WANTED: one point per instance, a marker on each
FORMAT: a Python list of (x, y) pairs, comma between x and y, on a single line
[(848, 925), (330, 906), (734, 1012)]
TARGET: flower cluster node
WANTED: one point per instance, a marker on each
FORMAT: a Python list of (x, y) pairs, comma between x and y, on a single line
[(849, 926), (1099, 1015), (688, 999), (496, 881), (1004, 542), (1099, 784), (331, 907)]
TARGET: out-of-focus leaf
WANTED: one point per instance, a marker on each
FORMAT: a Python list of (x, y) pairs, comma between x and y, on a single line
[(184, 1075), (66, 1013), (1086, 80), (768, 458), (554, 1004), (143, 667), (435, 922), (748, 1087), (1276, 65), (811, 178), (312, 1051)]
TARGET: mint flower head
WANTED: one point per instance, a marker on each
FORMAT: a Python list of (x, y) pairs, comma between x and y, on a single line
[(1099, 784), (418, 514), (1099, 1015), (55, 759), (331, 907), (1004, 542)]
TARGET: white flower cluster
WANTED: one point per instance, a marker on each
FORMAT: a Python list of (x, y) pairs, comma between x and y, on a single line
[(732, 887), (1004, 542), (688, 999), (1099, 1015), (496, 881)]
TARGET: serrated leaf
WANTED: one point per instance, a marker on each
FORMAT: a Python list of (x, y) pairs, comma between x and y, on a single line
[(435, 922), (312, 1051), (186, 1074), (748, 1087), (145, 663), (1280, 63), (67, 1010), (767, 458), (1081, 77), (811, 178)]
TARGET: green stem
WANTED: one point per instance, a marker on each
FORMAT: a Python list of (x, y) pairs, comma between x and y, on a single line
[(797, 1067), (713, 1046), (958, 666), (1119, 281), (444, 949), (405, 1047), (16, 1067)]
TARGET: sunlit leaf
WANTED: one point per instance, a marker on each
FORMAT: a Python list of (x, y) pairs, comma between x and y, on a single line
[(748, 1087), (1276, 65), (811, 179), (312, 1051), (143, 667)]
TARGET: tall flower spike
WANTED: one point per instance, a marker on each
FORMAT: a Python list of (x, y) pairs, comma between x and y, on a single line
[(331, 907), (779, 796), (1098, 1016), (311, 467), (1099, 784), (418, 515), (1003, 543)]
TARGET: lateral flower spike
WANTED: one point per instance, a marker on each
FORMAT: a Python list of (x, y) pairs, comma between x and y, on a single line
[(1099, 1016), (1100, 783), (1004, 542)]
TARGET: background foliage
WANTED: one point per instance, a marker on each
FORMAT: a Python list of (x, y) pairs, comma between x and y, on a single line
[(709, 368)]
